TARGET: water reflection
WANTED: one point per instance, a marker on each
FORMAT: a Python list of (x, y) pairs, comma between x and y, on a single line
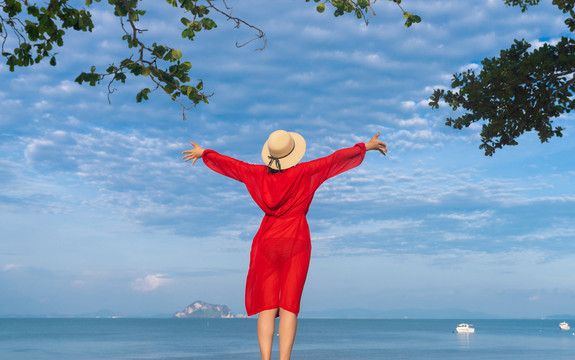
[(464, 340), (567, 340)]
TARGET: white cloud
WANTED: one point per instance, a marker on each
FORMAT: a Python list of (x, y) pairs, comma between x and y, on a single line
[(303, 78), (472, 66), (41, 105), (414, 121), (35, 147), (360, 58), (9, 267), (476, 215), (64, 87), (535, 44), (420, 135), (318, 33), (78, 283), (555, 232), (408, 105), (446, 78), (150, 282), (271, 109), (12, 103)]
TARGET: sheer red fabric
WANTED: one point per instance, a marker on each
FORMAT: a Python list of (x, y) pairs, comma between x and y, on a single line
[(281, 248)]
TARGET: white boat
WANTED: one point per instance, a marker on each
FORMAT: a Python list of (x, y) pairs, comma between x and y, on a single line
[(465, 329), (564, 326)]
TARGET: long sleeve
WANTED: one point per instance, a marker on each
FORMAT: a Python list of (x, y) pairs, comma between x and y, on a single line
[(336, 163), (226, 165)]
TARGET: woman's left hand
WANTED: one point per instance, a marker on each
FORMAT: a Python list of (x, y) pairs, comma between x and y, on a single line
[(375, 144), (193, 154)]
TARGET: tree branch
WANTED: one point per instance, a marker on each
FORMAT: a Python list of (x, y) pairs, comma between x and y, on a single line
[(260, 34)]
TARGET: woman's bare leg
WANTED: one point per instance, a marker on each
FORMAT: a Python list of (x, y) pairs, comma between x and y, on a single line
[(266, 329), (287, 329)]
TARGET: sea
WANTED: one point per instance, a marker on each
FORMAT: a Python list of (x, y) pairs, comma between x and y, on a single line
[(317, 339)]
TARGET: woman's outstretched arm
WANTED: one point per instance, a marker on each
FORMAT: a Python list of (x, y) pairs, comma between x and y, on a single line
[(343, 160), (221, 164), (193, 154), (375, 144)]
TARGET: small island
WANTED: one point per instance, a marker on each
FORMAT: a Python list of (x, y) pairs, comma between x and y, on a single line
[(202, 310)]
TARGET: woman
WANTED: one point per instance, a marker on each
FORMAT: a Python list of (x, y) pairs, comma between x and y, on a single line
[(281, 249)]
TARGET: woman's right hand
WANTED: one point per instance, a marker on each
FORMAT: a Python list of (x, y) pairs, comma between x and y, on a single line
[(193, 154)]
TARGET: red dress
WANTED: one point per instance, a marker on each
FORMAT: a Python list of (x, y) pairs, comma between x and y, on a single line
[(281, 249)]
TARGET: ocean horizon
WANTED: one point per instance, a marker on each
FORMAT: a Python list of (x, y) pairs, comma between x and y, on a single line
[(348, 313), (328, 313), (215, 339)]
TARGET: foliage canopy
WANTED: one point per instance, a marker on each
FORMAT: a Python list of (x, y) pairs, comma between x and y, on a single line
[(520, 90), (39, 30)]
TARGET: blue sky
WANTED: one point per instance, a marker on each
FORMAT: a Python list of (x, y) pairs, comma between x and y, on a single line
[(99, 212)]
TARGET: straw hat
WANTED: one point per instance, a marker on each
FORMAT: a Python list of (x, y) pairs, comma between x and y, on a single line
[(283, 150)]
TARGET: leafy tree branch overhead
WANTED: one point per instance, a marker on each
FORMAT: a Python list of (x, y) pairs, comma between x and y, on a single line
[(40, 30), (521, 90)]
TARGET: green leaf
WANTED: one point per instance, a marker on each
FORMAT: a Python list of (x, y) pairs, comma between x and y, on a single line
[(121, 77), (176, 54), (53, 61), (209, 24), (185, 21), (142, 95), (12, 62), (155, 72), (186, 65), (169, 88), (188, 4), (159, 51), (79, 79), (188, 89)]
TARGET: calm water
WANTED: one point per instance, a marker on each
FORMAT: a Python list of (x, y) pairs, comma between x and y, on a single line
[(190, 339)]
